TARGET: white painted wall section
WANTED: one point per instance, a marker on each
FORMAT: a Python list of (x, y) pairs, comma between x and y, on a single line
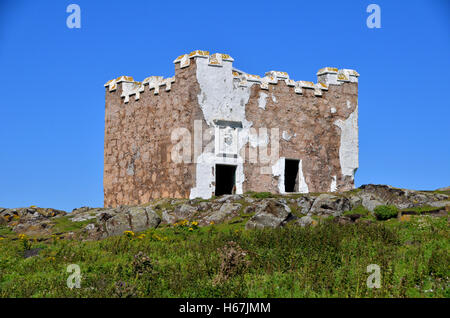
[(333, 186), (348, 151), (302, 185)]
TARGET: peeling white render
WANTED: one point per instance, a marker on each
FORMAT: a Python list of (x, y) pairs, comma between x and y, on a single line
[(262, 100), (205, 175), (258, 140), (333, 110), (302, 185), (278, 172), (348, 151), (333, 186), (349, 105), (285, 135), (220, 98), (274, 99)]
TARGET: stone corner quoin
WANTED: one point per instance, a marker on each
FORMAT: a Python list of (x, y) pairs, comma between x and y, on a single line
[(243, 118)]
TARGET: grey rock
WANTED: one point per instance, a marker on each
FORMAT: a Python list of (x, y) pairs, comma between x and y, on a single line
[(305, 203), (440, 204), (401, 198), (184, 211), (117, 224), (89, 227), (83, 217), (226, 211), (134, 219), (229, 198), (249, 199), (80, 210), (31, 252), (143, 218), (370, 202), (439, 196), (355, 201), (203, 206), (269, 213), (327, 204), (304, 221), (167, 218)]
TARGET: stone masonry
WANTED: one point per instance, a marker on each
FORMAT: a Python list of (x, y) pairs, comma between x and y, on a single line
[(169, 137)]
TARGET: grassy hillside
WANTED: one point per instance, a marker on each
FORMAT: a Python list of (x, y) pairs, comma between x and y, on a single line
[(326, 260)]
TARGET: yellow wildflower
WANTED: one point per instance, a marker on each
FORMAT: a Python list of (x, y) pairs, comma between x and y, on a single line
[(191, 229)]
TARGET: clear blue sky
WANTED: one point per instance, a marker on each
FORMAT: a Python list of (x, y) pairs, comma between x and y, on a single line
[(52, 95)]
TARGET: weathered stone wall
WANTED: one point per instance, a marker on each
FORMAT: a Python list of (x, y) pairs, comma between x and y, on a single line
[(308, 132), (137, 165), (317, 125)]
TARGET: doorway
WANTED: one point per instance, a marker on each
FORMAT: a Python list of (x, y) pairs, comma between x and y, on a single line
[(291, 175), (225, 179)]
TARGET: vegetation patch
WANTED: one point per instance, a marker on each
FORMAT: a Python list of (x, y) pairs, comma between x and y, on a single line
[(360, 210), (327, 260), (65, 224), (385, 212)]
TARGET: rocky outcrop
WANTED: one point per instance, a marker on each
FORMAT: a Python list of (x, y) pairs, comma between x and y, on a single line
[(136, 219), (224, 213), (269, 213), (256, 212), (373, 195), (327, 204)]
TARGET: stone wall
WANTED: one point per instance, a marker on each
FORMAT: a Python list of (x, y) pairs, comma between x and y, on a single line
[(137, 165), (317, 125), (309, 128)]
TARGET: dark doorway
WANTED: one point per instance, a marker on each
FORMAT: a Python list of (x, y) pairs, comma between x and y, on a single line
[(225, 179), (291, 175)]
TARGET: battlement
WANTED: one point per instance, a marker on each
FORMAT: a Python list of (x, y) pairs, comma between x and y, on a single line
[(235, 119), (325, 77)]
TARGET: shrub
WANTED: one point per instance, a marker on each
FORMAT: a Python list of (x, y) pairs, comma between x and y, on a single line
[(385, 212), (233, 262), (361, 210)]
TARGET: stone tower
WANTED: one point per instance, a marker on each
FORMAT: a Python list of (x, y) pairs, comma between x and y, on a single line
[(212, 129)]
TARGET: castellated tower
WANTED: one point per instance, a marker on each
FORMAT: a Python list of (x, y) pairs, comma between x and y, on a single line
[(212, 129)]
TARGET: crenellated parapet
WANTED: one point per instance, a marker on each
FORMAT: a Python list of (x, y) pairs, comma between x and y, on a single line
[(215, 59), (131, 87), (331, 75), (325, 77)]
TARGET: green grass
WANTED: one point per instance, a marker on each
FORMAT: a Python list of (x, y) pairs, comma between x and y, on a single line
[(64, 224), (5, 231), (327, 260), (422, 209)]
